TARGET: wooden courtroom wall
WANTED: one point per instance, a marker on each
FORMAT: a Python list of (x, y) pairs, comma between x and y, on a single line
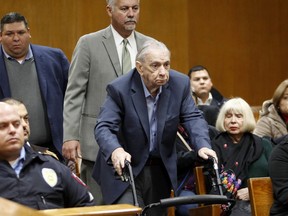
[(243, 43)]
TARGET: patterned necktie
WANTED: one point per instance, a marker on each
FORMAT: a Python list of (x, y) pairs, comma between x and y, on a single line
[(126, 60)]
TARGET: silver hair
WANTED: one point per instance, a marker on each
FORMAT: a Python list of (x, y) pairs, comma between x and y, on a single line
[(110, 2), (149, 45)]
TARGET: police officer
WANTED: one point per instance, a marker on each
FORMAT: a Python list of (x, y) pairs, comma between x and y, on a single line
[(33, 179)]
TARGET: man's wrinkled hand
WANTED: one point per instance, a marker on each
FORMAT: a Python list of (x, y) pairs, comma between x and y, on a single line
[(205, 153), (118, 158)]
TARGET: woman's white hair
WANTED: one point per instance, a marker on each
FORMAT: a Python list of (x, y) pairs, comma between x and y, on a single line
[(239, 106)]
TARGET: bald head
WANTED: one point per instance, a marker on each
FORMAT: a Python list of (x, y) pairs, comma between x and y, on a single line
[(11, 132)]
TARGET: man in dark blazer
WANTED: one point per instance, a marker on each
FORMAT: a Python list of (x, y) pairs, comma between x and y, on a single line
[(96, 61), (208, 99), (138, 123), (36, 75)]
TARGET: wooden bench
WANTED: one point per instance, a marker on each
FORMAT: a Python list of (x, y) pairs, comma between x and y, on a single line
[(118, 209), (10, 208), (208, 210), (200, 180), (211, 210), (261, 195)]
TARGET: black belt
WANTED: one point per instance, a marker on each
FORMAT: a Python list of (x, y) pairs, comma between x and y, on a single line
[(154, 161)]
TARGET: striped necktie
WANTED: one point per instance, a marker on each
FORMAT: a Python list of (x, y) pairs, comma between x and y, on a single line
[(126, 60)]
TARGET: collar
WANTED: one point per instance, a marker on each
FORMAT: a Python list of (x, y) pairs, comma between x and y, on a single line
[(28, 56), (147, 93), (119, 39), (18, 160), (21, 157), (208, 101), (32, 154)]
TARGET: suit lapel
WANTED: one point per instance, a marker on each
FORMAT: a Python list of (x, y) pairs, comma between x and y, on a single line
[(141, 106), (139, 102), (41, 69), (4, 81), (109, 45)]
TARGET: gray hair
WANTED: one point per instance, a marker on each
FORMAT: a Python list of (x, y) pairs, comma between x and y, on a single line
[(237, 105), (12, 101), (110, 2), (148, 46)]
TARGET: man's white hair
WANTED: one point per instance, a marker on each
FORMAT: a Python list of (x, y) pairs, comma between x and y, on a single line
[(147, 46)]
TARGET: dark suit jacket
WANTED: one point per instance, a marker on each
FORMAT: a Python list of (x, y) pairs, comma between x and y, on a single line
[(52, 69), (123, 122)]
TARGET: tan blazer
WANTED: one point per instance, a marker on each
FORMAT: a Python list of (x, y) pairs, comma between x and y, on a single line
[(94, 64), (270, 123)]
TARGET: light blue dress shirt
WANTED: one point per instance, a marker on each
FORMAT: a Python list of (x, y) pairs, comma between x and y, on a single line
[(18, 164), (152, 115)]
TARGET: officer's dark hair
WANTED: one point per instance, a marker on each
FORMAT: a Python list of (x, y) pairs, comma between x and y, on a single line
[(11, 18), (197, 68)]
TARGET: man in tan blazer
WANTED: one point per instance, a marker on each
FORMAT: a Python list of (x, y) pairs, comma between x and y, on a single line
[(96, 61)]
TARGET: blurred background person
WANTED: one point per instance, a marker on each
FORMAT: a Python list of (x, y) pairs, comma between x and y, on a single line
[(36, 75), (31, 178), (24, 116), (208, 99), (278, 171), (273, 121)]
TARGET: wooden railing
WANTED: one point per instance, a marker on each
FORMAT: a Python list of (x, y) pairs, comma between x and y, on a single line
[(105, 210), (10, 208)]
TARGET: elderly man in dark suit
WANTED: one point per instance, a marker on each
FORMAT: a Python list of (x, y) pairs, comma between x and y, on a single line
[(138, 123), (36, 75)]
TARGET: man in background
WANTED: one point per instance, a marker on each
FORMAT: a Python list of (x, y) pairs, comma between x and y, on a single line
[(36, 75), (24, 117), (98, 58), (30, 178), (207, 98)]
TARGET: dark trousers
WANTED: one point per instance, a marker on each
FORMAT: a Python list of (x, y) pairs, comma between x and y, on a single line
[(152, 184), (93, 187)]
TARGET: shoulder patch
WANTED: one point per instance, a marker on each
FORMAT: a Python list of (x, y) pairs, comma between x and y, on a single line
[(50, 176)]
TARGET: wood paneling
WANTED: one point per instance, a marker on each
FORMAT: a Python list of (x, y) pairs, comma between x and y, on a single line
[(243, 43), (59, 23)]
